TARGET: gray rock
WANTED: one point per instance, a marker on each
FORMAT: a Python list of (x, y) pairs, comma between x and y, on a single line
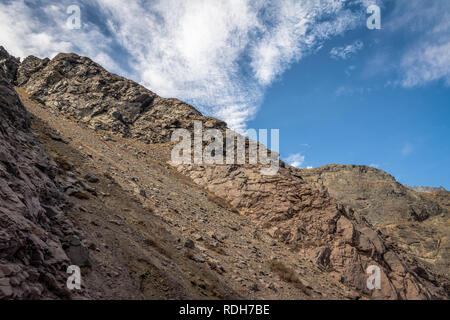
[(189, 244), (8, 65), (91, 178), (31, 226)]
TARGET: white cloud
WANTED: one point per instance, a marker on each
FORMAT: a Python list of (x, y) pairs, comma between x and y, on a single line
[(24, 32), (426, 63), (346, 52), (374, 165), (218, 55), (427, 24), (296, 160)]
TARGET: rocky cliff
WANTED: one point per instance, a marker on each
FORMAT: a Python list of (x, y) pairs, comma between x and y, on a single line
[(417, 222), (34, 232)]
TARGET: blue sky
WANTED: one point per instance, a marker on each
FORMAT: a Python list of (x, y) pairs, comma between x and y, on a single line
[(338, 92)]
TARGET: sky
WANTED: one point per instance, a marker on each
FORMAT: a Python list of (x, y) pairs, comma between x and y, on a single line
[(338, 91)]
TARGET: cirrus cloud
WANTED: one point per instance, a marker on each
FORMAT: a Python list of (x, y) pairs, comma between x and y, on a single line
[(346, 52)]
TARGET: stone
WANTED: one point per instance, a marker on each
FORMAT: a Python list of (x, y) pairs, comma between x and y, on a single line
[(78, 255), (189, 244), (141, 192), (91, 178)]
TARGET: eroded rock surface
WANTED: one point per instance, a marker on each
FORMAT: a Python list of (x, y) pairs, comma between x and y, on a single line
[(418, 222), (33, 228), (8, 65), (336, 237), (373, 192)]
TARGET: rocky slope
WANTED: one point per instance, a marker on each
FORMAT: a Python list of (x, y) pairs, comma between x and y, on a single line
[(441, 197), (415, 221), (154, 234), (34, 232), (283, 219), (138, 238), (334, 236)]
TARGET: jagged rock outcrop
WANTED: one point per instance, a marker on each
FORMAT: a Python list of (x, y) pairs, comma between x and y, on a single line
[(78, 87), (441, 197), (8, 65), (33, 228), (414, 221), (337, 238)]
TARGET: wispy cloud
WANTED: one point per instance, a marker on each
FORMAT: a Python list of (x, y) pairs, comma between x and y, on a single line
[(296, 160), (428, 26), (41, 30), (427, 62), (344, 53), (218, 55)]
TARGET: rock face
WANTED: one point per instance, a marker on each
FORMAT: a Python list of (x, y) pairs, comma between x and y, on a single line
[(414, 221), (441, 197), (78, 87), (337, 238), (8, 65), (373, 192), (33, 229)]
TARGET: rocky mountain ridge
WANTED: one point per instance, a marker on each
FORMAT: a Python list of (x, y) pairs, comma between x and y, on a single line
[(78, 87)]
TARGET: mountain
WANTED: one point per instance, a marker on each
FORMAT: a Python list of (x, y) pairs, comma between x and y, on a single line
[(417, 222), (154, 229), (373, 192)]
